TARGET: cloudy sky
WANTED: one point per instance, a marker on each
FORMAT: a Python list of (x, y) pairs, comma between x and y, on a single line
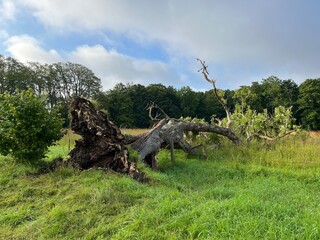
[(145, 41)]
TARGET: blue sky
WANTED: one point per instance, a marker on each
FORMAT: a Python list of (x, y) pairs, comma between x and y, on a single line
[(143, 41)]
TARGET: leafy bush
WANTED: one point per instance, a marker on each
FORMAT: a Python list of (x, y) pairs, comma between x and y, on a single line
[(27, 126), (249, 124)]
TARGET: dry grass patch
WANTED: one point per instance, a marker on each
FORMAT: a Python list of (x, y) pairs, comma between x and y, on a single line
[(314, 134), (134, 131)]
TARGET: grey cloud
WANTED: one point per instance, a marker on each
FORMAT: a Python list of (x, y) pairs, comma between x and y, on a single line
[(279, 35)]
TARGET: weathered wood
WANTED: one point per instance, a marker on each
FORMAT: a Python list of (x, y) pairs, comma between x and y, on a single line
[(170, 131), (102, 143)]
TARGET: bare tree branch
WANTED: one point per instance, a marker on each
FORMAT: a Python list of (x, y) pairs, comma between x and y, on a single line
[(156, 118), (205, 73)]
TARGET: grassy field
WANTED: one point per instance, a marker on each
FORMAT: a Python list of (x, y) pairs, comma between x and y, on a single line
[(266, 191)]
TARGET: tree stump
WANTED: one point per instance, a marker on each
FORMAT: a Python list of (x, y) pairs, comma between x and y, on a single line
[(102, 143)]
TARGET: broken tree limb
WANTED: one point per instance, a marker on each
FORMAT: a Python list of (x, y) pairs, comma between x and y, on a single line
[(171, 131), (160, 111), (102, 143)]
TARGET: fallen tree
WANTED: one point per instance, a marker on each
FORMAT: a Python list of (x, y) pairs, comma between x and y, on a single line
[(103, 145), (170, 131)]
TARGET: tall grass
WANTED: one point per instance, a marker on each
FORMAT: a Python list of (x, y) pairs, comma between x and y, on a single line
[(62, 147), (268, 191)]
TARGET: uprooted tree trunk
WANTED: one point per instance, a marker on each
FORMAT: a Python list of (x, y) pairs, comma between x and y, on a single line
[(102, 144), (170, 132)]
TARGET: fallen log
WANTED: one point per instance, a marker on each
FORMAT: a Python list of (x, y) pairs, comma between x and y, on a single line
[(170, 131)]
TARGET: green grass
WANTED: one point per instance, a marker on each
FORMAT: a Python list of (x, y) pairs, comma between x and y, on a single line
[(257, 192), (63, 146)]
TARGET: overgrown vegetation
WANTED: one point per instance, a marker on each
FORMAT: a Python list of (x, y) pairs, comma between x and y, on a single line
[(268, 191), (250, 124)]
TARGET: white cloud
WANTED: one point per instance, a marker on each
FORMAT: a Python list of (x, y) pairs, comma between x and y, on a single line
[(214, 29), (113, 67), (26, 48), (7, 10), (110, 66)]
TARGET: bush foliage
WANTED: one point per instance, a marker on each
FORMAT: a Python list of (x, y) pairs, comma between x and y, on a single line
[(27, 126)]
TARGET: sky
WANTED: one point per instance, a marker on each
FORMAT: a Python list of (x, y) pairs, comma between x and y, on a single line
[(146, 42)]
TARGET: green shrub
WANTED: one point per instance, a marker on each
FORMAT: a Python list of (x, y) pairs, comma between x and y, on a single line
[(27, 126)]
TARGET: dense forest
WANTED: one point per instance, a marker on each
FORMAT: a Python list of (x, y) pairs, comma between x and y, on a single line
[(126, 103)]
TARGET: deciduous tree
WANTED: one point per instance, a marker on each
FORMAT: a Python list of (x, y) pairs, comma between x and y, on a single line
[(309, 104)]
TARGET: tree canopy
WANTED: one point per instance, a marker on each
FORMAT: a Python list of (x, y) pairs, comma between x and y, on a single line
[(309, 104), (126, 103), (59, 81)]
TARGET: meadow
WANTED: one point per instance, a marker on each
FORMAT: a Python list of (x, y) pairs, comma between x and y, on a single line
[(260, 191)]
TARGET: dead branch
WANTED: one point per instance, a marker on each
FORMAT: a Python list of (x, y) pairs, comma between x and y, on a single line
[(153, 106), (205, 74), (103, 145)]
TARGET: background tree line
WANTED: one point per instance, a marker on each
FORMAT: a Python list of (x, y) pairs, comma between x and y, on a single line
[(126, 104), (58, 81)]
